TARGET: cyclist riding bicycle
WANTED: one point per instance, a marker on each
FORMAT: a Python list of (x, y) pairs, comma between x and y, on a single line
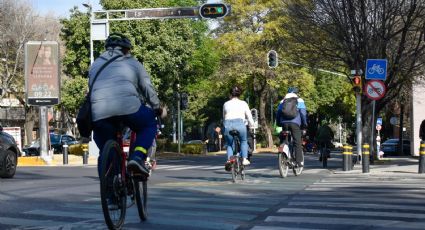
[(236, 113), (292, 115), (123, 93), (324, 137)]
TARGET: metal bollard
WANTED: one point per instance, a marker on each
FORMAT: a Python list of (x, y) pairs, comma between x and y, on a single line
[(347, 158), (422, 157), (65, 154), (86, 153), (365, 158)]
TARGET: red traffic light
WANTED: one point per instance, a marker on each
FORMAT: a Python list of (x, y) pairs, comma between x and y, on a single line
[(357, 84), (214, 10), (357, 80)]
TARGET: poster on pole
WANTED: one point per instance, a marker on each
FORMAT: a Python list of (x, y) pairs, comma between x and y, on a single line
[(42, 83)]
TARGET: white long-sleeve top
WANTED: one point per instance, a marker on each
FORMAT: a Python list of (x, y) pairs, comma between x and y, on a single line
[(237, 109)]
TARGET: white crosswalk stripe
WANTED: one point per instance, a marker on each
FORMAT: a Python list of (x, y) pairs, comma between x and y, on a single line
[(354, 202)]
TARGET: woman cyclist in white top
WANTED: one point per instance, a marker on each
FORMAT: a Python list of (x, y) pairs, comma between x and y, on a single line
[(235, 114)]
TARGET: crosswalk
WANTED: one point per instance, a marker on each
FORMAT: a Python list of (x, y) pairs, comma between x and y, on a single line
[(217, 204), (347, 201)]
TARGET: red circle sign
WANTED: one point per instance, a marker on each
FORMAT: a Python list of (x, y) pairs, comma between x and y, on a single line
[(375, 89)]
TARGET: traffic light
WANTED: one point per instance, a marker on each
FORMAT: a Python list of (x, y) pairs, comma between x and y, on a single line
[(357, 84), (272, 59), (213, 10), (184, 101)]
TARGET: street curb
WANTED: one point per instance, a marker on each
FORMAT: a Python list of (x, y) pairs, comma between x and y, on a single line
[(57, 160)]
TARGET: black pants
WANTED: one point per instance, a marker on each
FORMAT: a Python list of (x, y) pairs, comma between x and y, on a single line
[(296, 135)]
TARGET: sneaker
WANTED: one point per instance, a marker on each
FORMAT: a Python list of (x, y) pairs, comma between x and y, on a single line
[(137, 166), (301, 164), (246, 162), (228, 166)]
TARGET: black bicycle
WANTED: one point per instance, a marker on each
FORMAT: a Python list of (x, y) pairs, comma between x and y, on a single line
[(286, 156), (237, 168), (116, 184)]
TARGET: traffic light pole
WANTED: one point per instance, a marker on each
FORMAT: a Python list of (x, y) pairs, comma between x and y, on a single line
[(359, 123)]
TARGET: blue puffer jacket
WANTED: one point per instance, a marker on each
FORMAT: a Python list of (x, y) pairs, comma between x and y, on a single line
[(300, 120)]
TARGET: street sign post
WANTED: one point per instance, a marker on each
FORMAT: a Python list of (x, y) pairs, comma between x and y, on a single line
[(376, 69), (375, 89)]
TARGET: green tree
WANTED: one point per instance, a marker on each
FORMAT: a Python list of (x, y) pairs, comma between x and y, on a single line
[(173, 51), (343, 34)]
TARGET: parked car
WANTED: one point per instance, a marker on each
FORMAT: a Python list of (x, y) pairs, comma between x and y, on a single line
[(9, 153), (195, 142), (56, 143), (390, 147)]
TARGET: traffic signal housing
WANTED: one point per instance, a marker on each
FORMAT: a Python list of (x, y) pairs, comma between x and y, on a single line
[(213, 10), (357, 84), (184, 102), (272, 59)]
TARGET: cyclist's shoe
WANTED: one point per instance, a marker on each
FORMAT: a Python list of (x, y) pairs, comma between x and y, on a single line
[(137, 166), (228, 166), (245, 161), (300, 164)]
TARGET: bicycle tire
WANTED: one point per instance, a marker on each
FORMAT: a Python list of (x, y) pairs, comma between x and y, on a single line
[(140, 187), (112, 186), (283, 165), (297, 170), (241, 169), (235, 170)]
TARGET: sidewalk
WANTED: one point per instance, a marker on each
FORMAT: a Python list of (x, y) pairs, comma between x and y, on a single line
[(408, 165)]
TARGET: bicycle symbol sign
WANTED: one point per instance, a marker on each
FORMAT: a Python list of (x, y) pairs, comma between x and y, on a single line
[(375, 89), (376, 69)]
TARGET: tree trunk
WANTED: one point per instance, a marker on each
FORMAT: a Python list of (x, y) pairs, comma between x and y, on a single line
[(30, 118), (262, 117)]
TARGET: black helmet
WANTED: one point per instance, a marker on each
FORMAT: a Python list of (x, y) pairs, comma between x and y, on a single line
[(117, 39), (236, 91)]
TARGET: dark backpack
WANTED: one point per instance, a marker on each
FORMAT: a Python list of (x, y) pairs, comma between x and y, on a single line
[(290, 108)]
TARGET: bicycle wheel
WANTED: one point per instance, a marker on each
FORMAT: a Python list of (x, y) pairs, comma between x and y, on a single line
[(235, 169), (141, 194), (113, 192), (241, 169), (283, 165), (297, 170)]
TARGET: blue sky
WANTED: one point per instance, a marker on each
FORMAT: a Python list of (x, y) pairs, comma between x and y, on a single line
[(61, 8)]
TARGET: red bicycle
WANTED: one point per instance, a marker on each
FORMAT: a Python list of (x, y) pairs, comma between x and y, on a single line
[(117, 184)]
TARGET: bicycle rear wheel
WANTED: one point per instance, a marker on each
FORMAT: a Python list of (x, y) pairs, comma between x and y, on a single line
[(141, 196), (235, 169), (283, 165), (113, 192)]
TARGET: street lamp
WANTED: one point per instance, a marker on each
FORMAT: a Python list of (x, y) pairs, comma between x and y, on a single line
[(89, 7)]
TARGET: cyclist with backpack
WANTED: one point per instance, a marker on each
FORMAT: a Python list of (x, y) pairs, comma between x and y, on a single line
[(235, 114), (292, 115), (324, 138)]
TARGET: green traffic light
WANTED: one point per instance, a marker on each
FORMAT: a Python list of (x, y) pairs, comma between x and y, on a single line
[(219, 10)]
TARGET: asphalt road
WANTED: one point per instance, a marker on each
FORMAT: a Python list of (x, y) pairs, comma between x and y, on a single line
[(196, 193)]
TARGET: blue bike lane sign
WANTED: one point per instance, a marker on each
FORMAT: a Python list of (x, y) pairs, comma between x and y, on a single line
[(376, 69)]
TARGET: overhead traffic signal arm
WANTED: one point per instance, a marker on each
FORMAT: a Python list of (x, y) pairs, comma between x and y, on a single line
[(213, 10)]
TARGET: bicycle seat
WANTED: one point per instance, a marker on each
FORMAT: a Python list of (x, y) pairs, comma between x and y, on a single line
[(234, 132)]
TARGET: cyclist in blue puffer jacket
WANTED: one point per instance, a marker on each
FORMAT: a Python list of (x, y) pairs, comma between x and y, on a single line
[(294, 124)]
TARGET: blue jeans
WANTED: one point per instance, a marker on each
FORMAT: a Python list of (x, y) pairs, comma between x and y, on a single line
[(239, 125), (142, 122)]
